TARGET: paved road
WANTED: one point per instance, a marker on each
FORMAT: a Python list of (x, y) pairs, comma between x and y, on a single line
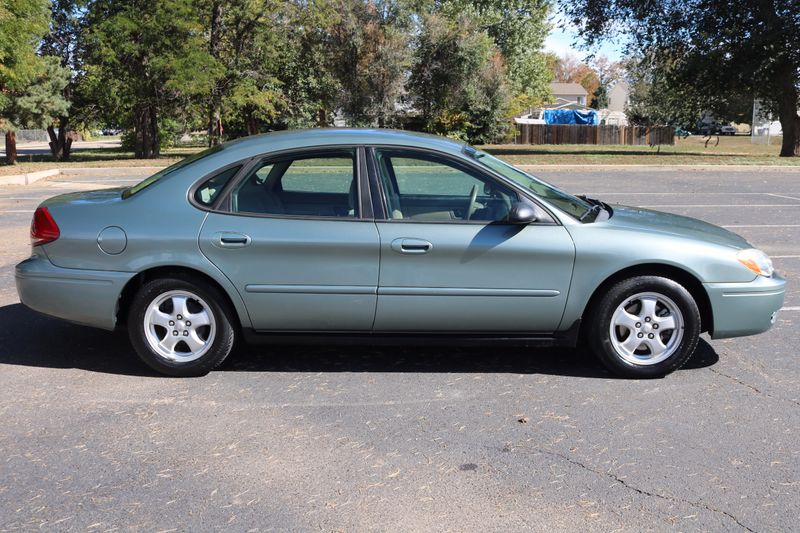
[(355, 439)]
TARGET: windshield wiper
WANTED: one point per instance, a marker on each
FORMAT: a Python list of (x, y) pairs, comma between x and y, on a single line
[(594, 210)]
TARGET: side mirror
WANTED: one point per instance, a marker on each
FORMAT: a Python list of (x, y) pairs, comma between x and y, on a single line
[(521, 213)]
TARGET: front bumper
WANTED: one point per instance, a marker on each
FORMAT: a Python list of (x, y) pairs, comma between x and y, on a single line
[(741, 309), (87, 297)]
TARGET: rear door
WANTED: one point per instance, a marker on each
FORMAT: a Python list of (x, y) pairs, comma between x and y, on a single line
[(450, 262), (299, 244)]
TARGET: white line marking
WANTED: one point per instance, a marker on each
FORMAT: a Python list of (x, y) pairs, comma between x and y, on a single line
[(16, 211), (790, 308), (698, 193), (783, 196), (763, 226), (720, 205), (785, 256)]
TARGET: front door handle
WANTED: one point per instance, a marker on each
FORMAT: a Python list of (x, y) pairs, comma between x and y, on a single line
[(406, 245), (231, 240)]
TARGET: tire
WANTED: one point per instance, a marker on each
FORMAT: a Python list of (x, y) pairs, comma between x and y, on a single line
[(661, 314), (167, 341)]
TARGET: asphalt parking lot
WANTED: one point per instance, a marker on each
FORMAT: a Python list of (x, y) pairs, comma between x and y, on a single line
[(410, 439)]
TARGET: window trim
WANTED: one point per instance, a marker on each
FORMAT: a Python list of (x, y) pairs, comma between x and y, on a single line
[(376, 182), (222, 205)]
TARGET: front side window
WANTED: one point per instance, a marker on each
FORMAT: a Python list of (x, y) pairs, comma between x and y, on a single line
[(428, 187), (563, 200), (315, 185)]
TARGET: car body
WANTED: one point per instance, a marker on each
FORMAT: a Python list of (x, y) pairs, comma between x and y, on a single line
[(727, 129), (383, 235)]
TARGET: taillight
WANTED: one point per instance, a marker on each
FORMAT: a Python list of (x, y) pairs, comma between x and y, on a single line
[(43, 228)]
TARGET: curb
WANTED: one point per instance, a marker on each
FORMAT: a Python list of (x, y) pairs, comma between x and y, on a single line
[(27, 179), (109, 171), (32, 177)]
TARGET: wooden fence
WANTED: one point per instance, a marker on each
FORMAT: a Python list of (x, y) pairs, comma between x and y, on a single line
[(582, 134)]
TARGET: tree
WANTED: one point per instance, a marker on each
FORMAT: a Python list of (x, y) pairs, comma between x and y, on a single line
[(22, 24), (42, 100), (710, 50), (655, 101), (308, 87), (458, 81), (370, 55), (518, 29), (242, 39), (145, 60), (63, 41)]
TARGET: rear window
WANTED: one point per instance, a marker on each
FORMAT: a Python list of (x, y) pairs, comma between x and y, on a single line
[(130, 191)]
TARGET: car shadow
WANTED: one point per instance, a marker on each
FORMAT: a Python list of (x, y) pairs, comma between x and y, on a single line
[(30, 339)]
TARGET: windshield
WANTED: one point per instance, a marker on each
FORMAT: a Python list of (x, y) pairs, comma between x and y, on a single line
[(130, 191), (563, 200)]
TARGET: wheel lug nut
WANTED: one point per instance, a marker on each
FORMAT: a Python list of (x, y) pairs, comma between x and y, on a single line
[(180, 317), (175, 332), (647, 319), (650, 336), (185, 333), (638, 324), (171, 322), (640, 335), (188, 323), (655, 326)]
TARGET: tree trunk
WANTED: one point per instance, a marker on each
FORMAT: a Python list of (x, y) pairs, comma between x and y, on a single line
[(215, 105), (790, 121), (11, 147), (252, 123), (146, 143), (60, 143)]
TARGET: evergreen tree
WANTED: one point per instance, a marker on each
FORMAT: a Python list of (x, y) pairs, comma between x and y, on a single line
[(22, 24)]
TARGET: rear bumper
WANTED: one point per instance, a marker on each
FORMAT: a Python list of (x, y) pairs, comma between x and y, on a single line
[(741, 309), (85, 297)]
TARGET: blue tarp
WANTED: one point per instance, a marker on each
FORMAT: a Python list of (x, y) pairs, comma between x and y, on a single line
[(570, 116)]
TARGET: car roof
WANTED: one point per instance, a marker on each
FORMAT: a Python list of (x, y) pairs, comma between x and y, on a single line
[(291, 139)]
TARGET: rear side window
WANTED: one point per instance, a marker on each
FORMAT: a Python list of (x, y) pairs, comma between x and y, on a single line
[(210, 189)]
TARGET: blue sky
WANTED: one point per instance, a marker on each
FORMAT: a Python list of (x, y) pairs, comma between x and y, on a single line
[(563, 40)]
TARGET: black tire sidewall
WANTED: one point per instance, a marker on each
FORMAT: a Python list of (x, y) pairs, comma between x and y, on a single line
[(224, 338), (599, 332)]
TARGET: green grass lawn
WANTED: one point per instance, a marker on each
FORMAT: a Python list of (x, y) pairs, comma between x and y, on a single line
[(101, 157), (691, 151)]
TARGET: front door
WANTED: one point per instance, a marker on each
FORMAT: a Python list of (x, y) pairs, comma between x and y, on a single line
[(295, 245), (449, 262)]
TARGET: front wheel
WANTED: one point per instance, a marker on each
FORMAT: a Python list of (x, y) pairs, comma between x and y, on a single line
[(645, 327), (181, 327)]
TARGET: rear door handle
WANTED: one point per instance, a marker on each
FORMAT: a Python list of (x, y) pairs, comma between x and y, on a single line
[(231, 240), (406, 245)]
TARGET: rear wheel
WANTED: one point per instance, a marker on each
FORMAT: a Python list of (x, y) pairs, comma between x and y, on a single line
[(645, 327), (181, 327)]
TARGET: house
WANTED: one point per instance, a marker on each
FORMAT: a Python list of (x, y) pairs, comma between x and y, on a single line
[(618, 101), (568, 94), (619, 97)]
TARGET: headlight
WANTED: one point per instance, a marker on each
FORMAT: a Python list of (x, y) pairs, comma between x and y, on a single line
[(757, 261)]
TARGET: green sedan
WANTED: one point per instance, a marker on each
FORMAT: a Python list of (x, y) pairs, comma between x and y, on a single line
[(385, 236)]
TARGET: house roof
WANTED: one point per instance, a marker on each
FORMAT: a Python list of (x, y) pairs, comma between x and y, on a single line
[(568, 89)]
